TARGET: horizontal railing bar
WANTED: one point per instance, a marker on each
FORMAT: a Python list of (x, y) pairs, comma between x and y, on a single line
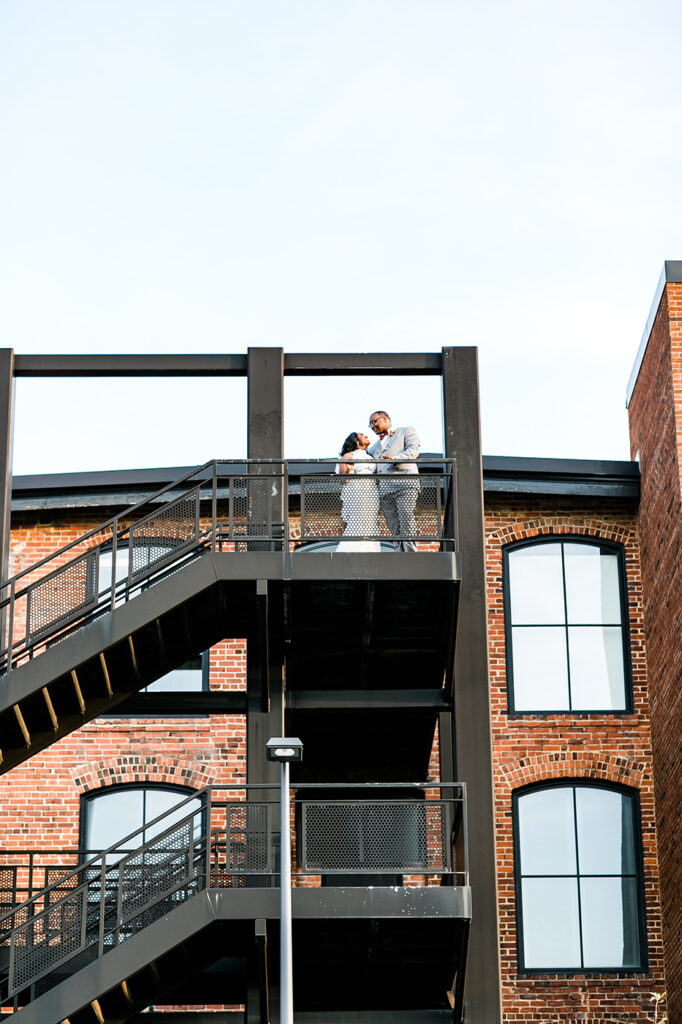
[(102, 526)]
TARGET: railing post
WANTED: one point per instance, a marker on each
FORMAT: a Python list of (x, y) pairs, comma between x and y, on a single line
[(102, 904), (114, 548), (10, 628), (214, 506)]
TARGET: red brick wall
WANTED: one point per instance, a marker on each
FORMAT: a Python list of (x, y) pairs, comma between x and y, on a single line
[(656, 433), (41, 798), (536, 748)]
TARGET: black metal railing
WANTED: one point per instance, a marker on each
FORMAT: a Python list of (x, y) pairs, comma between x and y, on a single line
[(227, 507), (227, 841)]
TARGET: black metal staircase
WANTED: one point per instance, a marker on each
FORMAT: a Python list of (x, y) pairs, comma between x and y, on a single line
[(136, 924), (214, 555), (367, 638)]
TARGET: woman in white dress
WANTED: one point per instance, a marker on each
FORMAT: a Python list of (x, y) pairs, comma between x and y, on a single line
[(359, 497)]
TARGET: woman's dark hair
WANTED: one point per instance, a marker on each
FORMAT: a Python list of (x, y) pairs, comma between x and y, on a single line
[(350, 444)]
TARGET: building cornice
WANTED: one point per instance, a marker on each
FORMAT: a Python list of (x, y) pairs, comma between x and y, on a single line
[(501, 475)]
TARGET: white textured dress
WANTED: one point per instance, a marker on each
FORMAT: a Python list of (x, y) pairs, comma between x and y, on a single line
[(360, 504)]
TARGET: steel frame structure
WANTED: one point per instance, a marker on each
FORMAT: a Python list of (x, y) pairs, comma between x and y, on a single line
[(465, 741)]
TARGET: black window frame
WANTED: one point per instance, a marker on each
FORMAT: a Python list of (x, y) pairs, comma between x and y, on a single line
[(638, 855), (567, 538), (144, 704), (103, 791)]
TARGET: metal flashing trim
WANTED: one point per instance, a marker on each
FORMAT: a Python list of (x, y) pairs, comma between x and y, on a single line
[(671, 274), (501, 474), (577, 477)]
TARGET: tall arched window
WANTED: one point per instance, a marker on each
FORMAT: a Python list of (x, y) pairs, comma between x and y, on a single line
[(109, 815), (566, 626), (578, 879)]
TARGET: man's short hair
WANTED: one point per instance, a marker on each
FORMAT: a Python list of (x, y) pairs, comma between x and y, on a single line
[(379, 412)]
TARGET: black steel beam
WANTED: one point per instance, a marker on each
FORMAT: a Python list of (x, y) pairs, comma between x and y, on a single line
[(374, 1017), (263, 643), (7, 387), (265, 399), (472, 739), (265, 402), (131, 366), (226, 365), (261, 933), (362, 700), (357, 364), (217, 702)]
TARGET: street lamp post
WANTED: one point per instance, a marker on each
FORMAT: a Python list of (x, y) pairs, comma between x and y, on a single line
[(285, 750)]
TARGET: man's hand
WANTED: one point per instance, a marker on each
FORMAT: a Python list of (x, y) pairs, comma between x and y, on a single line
[(389, 458)]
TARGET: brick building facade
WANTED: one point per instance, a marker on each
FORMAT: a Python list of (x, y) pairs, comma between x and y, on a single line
[(590, 758)]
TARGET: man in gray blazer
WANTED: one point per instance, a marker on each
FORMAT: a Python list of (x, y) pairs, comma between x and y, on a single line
[(398, 481)]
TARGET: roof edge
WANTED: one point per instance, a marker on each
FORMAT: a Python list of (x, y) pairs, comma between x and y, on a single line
[(671, 274), (510, 474)]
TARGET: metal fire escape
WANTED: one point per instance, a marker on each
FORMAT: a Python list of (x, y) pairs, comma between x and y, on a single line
[(339, 645)]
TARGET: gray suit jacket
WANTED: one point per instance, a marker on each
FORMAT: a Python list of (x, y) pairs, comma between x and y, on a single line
[(405, 442)]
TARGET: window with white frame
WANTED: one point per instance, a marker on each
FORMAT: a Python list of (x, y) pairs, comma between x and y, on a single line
[(566, 626), (578, 879)]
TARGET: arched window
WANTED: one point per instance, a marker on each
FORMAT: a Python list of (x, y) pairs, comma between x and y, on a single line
[(566, 626), (578, 879), (109, 815)]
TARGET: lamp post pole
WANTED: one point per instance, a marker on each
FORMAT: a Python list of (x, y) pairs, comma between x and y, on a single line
[(286, 964), (285, 749)]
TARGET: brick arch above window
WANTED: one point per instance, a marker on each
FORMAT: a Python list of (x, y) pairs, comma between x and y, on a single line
[(563, 526), (570, 765), (140, 769)]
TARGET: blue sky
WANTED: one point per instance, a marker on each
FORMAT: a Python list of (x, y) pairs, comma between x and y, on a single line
[(203, 176)]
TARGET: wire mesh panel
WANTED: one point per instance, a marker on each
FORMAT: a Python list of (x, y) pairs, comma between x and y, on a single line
[(371, 507), (47, 940), (247, 837), (163, 868), (8, 888), (164, 534), (92, 908), (62, 596), (387, 836), (242, 850)]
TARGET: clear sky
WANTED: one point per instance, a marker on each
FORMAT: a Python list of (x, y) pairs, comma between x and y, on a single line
[(206, 175)]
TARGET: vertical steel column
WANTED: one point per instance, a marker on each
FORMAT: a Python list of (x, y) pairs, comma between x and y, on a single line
[(472, 735), (265, 440), (6, 447), (265, 403)]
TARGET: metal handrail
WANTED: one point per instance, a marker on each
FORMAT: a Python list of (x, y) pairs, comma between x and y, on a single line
[(109, 899), (264, 518)]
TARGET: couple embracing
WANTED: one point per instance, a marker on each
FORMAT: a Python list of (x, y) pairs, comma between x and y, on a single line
[(394, 489)]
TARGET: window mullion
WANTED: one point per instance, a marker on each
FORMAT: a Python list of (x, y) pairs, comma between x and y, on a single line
[(568, 659), (577, 879)]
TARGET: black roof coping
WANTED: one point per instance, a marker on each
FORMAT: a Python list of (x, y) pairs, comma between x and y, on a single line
[(588, 477), (501, 474)]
